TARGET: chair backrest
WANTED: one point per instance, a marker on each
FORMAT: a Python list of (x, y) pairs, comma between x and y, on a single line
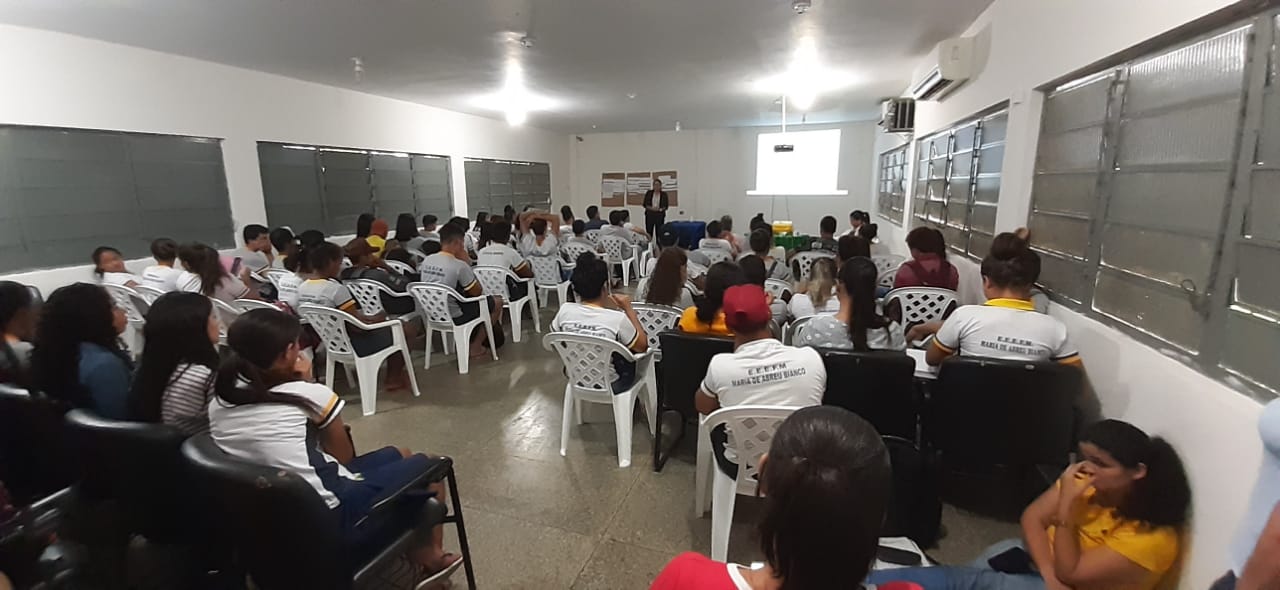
[(804, 260), (750, 430), (797, 327), (331, 325), (921, 304), (282, 531), (877, 385), (417, 255), (244, 305), (999, 412), (275, 274), (134, 306), (573, 250), (616, 248), (38, 458), (684, 364), (399, 267), (593, 235), (777, 287), (715, 255), (148, 294), (493, 279), (588, 360), (642, 289), (346, 263), (225, 314), (886, 277), (36, 295), (656, 319), (368, 295), (546, 270), (139, 467), (887, 261), (433, 300)]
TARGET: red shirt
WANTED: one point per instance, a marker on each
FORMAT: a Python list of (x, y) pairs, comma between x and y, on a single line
[(944, 274), (693, 571)]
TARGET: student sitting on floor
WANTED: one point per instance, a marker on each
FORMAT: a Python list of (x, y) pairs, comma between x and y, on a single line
[(1111, 521), (268, 411), (666, 284), (449, 267), (162, 275), (179, 362), (706, 316), (816, 295), (108, 267), (78, 358), (857, 326), (1006, 326), (826, 484), (601, 313)]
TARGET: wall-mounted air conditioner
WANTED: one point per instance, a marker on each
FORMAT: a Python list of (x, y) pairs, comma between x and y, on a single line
[(951, 63), (898, 115)]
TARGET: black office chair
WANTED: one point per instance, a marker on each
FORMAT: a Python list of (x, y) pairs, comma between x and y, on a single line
[(284, 534), (35, 455), (877, 385), (989, 416), (684, 365)]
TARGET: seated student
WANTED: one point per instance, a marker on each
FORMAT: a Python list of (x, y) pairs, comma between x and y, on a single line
[(706, 316), (500, 254), (1255, 550), (817, 295), (377, 237), (760, 370), (754, 271), (604, 314), (761, 241), (285, 245), (593, 218), (849, 246), (268, 411), (449, 267), (77, 357), (1111, 521), (714, 239), (857, 326), (566, 216), (471, 238), (826, 236), (617, 227), (726, 234), (698, 261), (255, 255), (666, 284), (539, 234), (758, 222), (580, 235), (826, 484), (205, 275), (108, 267), (428, 233), (179, 361), (324, 289), (18, 313), (298, 267), (1002, 327), (406, 232), (870, 233), (365, 266), (928, 266), (638, 234), (162, 275), (857, 220)]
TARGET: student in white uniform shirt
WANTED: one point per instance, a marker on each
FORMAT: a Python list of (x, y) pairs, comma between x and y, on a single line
[(500, 254), (204, 274), (108, 267), (857, 326), (268, 411), (255, 256), (539, 234), (1007, 325), (601, 313), (760, 370), (713, 240), (580, 235), (449, 267), (566, 216), (617, 227), (761, 242), (162, 275)]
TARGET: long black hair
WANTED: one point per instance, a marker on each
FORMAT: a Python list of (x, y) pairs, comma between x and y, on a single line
[(826, 486), (666, 285), (97, 258), (307, 241), (321, 255), (1011, 263), (176, 333), (1163, 497), (14, 299), (720, 277), (256, 339), (364, 225), (205, 263), (858, 277), (72, 315), (406, 227)]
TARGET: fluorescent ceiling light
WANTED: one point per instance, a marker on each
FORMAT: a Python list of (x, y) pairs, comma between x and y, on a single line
[(515, 100), (805, 79)]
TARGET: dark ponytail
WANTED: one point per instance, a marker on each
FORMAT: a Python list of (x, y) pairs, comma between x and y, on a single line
[(1163, 497), (1011, 263), (858, 277)]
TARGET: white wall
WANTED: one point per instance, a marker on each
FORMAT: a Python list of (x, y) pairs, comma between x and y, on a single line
[(717, 167), (1213, 426), (61, 80)]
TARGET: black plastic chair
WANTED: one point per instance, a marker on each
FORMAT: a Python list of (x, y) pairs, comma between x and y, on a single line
[(35, 455), (877, 385), (283, 533), (684, 365)]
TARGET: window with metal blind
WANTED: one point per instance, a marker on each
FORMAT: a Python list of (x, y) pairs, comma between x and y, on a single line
[(64, 192), (327, 188), (958, 181), (492, 185), (1153, 206), (892, 198)]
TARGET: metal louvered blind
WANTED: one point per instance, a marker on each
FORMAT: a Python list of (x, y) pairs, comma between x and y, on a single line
[(1153, 205), (492, 185), (64, 192), (892, 195), (958, 182)]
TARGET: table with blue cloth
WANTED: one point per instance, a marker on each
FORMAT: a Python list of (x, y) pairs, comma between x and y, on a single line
[(689, 233)]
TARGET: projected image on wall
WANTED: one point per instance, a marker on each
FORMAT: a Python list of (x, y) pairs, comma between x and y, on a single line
[(798, 163)]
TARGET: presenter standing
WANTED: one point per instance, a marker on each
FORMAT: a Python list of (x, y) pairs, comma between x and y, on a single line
[(655, 209)]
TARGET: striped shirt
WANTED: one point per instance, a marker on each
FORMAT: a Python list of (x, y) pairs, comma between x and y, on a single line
[(185, 402)]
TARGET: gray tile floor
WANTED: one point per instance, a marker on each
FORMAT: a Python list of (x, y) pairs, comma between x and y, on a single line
[(538, 520)]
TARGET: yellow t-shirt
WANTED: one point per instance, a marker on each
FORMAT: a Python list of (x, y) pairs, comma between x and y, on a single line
[(1153, 548), (689, 323), (378, 243)]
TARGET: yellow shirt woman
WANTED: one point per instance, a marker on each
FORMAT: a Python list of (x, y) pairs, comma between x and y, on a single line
[(690, 323), (1153, 548)]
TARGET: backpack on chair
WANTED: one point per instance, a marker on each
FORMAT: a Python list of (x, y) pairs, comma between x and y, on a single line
[(915, 508)]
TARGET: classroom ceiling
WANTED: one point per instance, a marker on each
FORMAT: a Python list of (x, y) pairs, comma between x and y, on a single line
[(693, 61)]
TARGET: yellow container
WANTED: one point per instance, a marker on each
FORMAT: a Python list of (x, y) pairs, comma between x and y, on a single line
[(782, 228)]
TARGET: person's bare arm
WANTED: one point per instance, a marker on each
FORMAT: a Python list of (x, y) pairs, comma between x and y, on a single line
[(1035, 535), (1262, 571), (335, 441), (704, 403), (642, 340), (1100, 567), (474, 290)]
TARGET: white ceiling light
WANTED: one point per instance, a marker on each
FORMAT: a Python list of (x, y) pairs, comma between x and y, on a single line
[(805, 79), (515, 100)]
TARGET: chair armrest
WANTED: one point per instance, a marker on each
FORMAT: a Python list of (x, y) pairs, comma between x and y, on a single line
[(378, 325), (437, 472), (476, 299)]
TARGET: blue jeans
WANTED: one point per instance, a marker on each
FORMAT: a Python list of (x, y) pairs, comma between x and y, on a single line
[(978, 575)]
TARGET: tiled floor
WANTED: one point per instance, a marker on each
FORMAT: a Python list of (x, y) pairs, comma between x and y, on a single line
[(538, 520)]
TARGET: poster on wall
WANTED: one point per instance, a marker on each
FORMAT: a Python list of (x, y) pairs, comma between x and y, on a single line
[(638, 183), (613, 189), (670, 180)]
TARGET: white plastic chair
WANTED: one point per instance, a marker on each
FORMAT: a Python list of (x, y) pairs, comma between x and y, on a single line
[(619, 252), (750, 431), (346, 263), (493, 279), (588, 362), (593, 235), (226, 315), (887, 277), (243, 305), (656, 319), (149, 294), (546, 278), (368, 295), (642, 262), (805, 261), (400, 267), (796, 328), (572, 250), (417, 255), (715, 255), (331, 324), (921, 304), (275, 274), (887, 262), (135, 308), (777, 287), (433, 301)]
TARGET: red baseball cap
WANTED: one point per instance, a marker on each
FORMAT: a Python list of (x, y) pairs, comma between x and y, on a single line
[(746, 308)]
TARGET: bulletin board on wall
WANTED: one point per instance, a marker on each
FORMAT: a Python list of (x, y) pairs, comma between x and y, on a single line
[(628, 188)]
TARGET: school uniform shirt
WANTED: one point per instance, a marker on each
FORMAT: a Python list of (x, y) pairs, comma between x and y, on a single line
[(228, 290), (593, 320), (694, 571), (326, 293), (158, 276), (470, 240), (1006, 329), (582, 240), (827, 244), (693, 269), (776, 269), (825, 331), (530, 247), (716, 243), (766, 372), (617, 231), (802, 306), (287, 289), (502, 256), (252, 259), (1153, 548), (279, 434), (442, 268), (566, 230), (119, 278), (184, 404)]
